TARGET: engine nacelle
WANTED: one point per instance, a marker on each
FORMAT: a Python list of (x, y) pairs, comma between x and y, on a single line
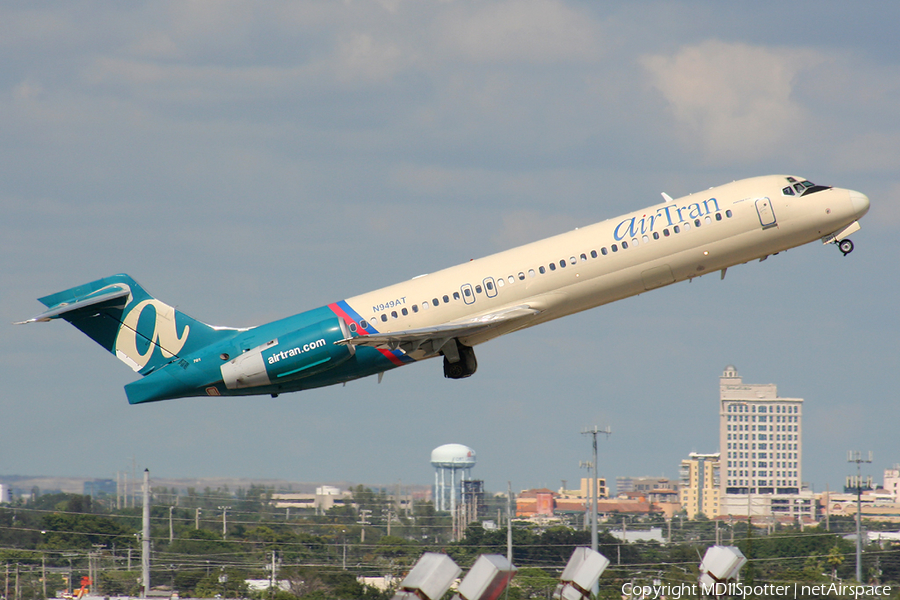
[(295, 355)]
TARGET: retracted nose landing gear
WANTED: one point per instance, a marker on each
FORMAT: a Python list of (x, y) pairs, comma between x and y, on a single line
[(845, 246)]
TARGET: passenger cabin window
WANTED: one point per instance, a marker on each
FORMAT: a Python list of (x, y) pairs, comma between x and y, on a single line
[(552, 266), (456, 295), (542, 270), (521, 276), (603, 251), (593, 254)]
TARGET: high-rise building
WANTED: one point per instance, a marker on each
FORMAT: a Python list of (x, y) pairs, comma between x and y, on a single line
[(699, 489), (892, 482), (760, 438)]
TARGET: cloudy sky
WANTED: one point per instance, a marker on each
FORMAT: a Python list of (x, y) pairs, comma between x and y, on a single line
[(246, 162)]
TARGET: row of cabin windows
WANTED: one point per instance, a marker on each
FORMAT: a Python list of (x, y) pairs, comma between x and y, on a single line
[(511, 279)]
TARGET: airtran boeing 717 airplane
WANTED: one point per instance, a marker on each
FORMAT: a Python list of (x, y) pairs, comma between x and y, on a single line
[(449, 312)]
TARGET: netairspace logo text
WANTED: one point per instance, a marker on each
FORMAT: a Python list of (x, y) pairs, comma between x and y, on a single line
[(797, 590)]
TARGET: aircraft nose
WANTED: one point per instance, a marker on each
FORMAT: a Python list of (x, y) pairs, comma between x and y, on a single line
[(860, 203)]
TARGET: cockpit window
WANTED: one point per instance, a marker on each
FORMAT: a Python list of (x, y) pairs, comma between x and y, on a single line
[(802, 188)]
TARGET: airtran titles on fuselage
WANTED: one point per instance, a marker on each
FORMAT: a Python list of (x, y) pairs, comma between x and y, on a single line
[(295, 351), (665, 216)]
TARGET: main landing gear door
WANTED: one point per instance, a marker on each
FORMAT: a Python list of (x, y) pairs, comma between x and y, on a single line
[(766, 214)]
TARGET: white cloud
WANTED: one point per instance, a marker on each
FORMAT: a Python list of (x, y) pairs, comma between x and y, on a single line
[(737, 99)]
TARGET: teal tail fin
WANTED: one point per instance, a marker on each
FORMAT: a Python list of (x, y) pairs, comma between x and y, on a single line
[(121, 316)]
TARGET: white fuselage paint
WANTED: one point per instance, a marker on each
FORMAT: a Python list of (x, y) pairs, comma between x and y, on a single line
[(763, 221)]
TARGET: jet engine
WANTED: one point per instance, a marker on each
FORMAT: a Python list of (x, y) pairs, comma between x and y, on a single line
[(295, 355)]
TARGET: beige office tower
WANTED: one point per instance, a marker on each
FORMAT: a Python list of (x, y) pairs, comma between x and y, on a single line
[(700, 487), (760, 438)]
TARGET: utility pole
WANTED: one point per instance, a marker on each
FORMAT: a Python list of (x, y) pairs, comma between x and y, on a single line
[(197, 518), (145, 537), (272, 582), (224, 510), (856, 457), (594, 492), (363, 520), (171, 530), (509, 555)]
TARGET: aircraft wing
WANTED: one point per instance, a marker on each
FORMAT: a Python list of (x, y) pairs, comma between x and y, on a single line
[(431, 339)]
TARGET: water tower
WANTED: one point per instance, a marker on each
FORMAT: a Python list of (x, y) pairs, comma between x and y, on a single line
[(447, 460)]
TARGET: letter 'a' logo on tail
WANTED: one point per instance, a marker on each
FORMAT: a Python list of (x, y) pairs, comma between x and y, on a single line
[(163, 334)]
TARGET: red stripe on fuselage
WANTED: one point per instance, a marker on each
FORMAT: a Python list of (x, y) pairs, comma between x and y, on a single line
[(389, 354), (342, 314)]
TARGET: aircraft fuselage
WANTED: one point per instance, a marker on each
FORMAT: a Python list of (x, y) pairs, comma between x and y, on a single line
[(450, 311)]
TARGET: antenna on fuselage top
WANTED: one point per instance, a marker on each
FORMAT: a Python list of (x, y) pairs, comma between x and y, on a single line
[(667, 197)]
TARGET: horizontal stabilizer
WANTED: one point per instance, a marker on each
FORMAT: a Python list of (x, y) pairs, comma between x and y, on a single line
[(119, 291)]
